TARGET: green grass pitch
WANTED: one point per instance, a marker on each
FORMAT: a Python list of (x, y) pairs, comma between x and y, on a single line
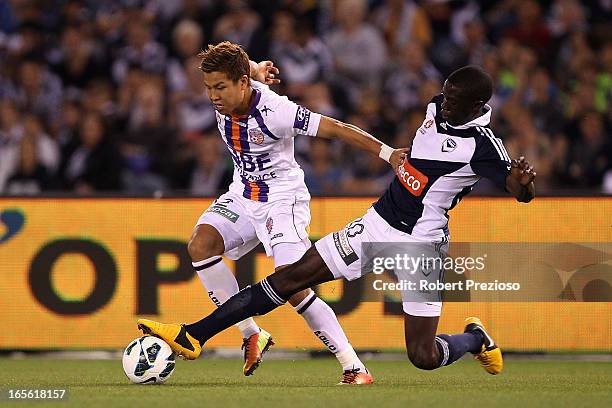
[(311, 383)]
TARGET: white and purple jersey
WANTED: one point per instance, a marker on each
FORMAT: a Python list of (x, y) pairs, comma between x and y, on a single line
[(261, 145)]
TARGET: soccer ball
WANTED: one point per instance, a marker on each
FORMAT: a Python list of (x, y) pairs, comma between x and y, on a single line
[(148, 360)]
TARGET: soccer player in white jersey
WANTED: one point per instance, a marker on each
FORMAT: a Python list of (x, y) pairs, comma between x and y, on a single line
[(451, 151), (267, 201)]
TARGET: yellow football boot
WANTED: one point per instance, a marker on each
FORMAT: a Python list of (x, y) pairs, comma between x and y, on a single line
[(254, 348), (181, 342), (490, 356)]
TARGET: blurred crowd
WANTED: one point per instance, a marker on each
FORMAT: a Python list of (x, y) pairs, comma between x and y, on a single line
[(104, 96)]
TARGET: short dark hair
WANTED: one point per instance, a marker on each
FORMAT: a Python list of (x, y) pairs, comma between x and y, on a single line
[(225, 57), (474, 83)]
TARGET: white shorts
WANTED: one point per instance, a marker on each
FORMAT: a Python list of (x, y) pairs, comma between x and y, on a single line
[(341, 252), (281, 226)]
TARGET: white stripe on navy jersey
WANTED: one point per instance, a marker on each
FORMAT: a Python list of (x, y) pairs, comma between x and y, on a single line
[(498, 143), (483, 131)]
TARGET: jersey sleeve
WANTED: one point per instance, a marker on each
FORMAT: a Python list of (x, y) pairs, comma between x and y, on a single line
[(490, 159), (295, 119)]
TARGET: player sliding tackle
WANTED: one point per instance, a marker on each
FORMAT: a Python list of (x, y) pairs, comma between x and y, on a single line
[(452, 150)]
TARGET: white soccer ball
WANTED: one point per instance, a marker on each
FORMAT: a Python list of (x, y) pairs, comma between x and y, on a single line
[(148, 360)]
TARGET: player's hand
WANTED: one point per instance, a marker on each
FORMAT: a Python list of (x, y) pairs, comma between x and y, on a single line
[(267, 73), (522, 171), (397, 158)]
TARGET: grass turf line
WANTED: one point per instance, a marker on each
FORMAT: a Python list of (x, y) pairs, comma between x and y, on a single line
[(219, 383)]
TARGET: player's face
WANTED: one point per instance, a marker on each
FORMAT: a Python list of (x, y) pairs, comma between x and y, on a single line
[(225, 94), (457, 109)]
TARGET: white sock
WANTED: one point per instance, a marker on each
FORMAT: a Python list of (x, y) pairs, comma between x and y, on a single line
[(221, 284), (323, 322), (349, 361)]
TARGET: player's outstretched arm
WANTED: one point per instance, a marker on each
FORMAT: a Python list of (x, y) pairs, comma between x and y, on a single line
[(330, 128), (519, 182), (264, 72)]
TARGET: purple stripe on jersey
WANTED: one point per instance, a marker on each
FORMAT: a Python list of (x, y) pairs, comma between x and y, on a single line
[(264, 190), (255, 102), (247, 188), (245, 147), (244, 135), (262, 124), (228, 138)]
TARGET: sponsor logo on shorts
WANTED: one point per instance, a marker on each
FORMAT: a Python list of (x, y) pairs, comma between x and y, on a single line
[(346, 251), (269, 225), (224, 212), (279, 235), (412, 179)]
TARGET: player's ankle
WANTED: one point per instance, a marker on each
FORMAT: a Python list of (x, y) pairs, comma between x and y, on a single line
[(349, 360)]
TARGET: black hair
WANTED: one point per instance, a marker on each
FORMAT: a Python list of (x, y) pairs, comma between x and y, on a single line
[(473, 82)]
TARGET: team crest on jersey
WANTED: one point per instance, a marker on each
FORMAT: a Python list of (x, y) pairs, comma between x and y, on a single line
[(256, 136), (269, 225), (449, 145), (428, 123)]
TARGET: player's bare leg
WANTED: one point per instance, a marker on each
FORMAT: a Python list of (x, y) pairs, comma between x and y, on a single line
[(205, 248), (420, 334), (429, 351)]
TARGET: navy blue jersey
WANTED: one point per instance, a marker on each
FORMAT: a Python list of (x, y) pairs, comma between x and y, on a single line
[(444, 164)]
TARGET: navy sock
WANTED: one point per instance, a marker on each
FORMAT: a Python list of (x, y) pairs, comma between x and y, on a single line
[(452, 347), (255, 300)]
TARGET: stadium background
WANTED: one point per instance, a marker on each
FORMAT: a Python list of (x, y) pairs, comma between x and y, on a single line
[(101, 105)]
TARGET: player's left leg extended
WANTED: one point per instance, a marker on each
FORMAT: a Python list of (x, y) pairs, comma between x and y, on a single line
[(429, 351)]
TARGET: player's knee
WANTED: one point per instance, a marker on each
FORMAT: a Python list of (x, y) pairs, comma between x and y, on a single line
[(284, 282), (288, 280), (297, 298), (422, 357), (309, 271), (201, 247)]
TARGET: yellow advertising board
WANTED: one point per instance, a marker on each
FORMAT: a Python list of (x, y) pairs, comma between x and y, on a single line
[(76, 273)]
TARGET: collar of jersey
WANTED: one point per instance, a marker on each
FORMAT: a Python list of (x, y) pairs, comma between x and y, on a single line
[(237, 119), (482, 120)]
